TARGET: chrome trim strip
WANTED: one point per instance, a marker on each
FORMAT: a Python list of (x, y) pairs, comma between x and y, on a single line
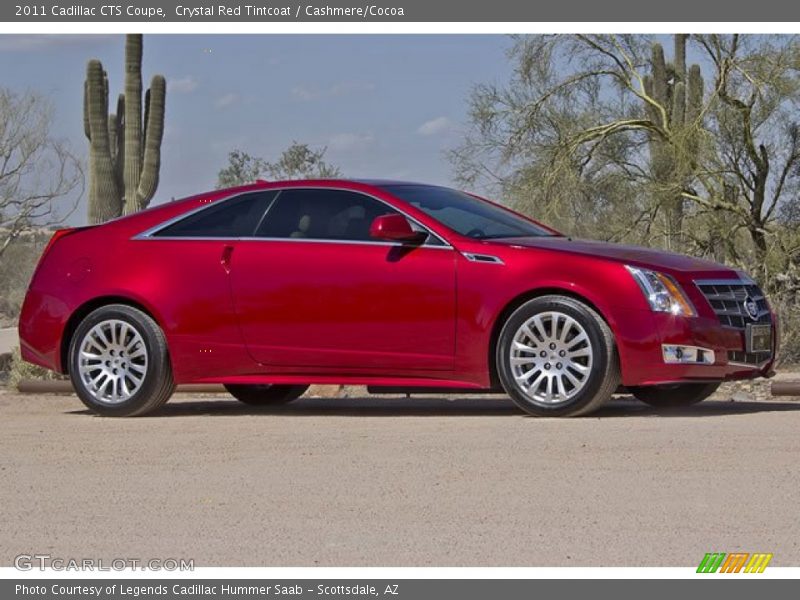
[(721, 282), (149, 233), (728, 313), (297, 240), (323, 241)]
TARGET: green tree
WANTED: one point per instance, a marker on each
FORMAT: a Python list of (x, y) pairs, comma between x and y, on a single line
[(298, 161), (605, 123)]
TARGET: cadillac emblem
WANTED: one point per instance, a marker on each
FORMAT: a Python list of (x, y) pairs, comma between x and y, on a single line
[(751, 308)]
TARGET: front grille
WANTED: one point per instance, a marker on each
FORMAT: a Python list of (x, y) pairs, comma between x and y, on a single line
[(727, 297)]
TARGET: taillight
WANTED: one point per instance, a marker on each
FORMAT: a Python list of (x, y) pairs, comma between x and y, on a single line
[(57, 235)]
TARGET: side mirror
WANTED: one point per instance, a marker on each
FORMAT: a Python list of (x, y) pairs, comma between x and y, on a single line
[(395, 228)]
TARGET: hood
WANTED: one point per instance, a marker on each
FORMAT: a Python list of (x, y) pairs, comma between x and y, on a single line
[(635, 255)]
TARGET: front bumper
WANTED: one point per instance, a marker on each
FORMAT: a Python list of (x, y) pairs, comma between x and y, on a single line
[(647, 366)]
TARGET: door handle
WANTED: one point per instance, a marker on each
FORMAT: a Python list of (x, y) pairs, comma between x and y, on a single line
[(225, 260)]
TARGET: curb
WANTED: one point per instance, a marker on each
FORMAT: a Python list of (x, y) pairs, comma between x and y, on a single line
[(786, 388)]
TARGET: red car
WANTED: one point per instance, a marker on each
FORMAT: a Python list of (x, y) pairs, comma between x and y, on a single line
[(270, 287)]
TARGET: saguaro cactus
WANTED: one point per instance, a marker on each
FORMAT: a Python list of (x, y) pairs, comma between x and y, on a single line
[(672, 160), (124, 147)]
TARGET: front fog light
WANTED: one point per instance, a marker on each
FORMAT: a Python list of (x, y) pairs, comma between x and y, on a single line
[(674, 354), (662, 293)]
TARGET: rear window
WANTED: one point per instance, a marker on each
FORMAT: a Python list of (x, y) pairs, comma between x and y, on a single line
[(237, 217)]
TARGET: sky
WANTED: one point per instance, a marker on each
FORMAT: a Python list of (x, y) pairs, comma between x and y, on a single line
[(384, 106)]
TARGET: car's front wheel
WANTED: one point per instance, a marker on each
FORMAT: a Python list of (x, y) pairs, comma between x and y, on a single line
[(556, 357), (674, 396), (266, 395), (119, 363)]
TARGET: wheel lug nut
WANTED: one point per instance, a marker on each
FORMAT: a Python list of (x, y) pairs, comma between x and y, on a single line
[(543, 354), (552, 346), (547, 366), (559, 365), (562, 353)]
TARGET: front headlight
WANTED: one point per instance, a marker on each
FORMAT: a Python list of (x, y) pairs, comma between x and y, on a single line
[(663, 294)]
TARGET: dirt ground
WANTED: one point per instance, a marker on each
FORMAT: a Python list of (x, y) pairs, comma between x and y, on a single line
[(370, 481)]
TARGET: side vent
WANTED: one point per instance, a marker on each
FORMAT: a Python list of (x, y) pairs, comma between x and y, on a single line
[(483, 258)]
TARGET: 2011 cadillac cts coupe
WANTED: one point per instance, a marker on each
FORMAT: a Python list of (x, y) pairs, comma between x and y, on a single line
[(270, 287)]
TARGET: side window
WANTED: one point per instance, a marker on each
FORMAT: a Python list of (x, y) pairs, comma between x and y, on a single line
[(322, 215), (237, 217)]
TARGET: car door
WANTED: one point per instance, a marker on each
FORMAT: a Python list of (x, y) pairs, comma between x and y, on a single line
[(313, 289), (186, 276)]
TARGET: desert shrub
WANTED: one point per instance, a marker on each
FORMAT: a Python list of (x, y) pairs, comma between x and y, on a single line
[(786, 303), (21, 370)]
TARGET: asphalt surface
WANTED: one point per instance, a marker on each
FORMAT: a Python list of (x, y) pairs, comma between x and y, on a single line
[(399, 482)]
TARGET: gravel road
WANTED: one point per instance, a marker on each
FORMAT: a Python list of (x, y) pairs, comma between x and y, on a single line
[(399, 482)]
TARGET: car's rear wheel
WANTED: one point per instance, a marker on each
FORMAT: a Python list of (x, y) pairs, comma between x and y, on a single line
[(119, 363), (266, 395), (674, 396), (556, 357)]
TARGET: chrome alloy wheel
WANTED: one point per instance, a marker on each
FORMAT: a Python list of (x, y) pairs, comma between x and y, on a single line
[(113, 361), (551, 358)]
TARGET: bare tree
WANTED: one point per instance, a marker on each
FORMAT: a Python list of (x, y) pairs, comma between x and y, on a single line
[(37, 171)]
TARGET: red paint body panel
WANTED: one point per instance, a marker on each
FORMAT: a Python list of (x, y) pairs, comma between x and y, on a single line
[(294, 311), (345, 305)]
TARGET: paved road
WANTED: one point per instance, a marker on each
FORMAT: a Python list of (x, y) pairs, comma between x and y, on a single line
[(8, 339), (399, 482)]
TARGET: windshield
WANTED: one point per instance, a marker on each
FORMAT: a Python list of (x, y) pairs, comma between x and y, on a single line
[(465, 214)]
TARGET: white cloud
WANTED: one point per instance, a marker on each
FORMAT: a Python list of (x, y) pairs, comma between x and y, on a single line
[(226, 100), (435, 126), (182, 85), (343, 88), (303, 93), (350, 141)]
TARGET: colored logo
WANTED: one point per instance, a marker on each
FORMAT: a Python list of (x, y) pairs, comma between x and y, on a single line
[(737, 562), (751, 308)]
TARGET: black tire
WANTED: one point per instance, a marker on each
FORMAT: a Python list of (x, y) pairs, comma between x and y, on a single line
[(157, 383), (266, 395), (674, 396), (602, 373)]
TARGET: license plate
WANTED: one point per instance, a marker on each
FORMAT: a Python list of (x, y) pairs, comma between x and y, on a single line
[(759, 338)]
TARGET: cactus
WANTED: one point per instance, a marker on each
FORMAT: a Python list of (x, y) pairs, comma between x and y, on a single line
[(681, 96), (124, 147)]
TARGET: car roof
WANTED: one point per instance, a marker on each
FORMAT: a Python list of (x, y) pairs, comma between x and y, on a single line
[(387, 182), (375, 182)]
